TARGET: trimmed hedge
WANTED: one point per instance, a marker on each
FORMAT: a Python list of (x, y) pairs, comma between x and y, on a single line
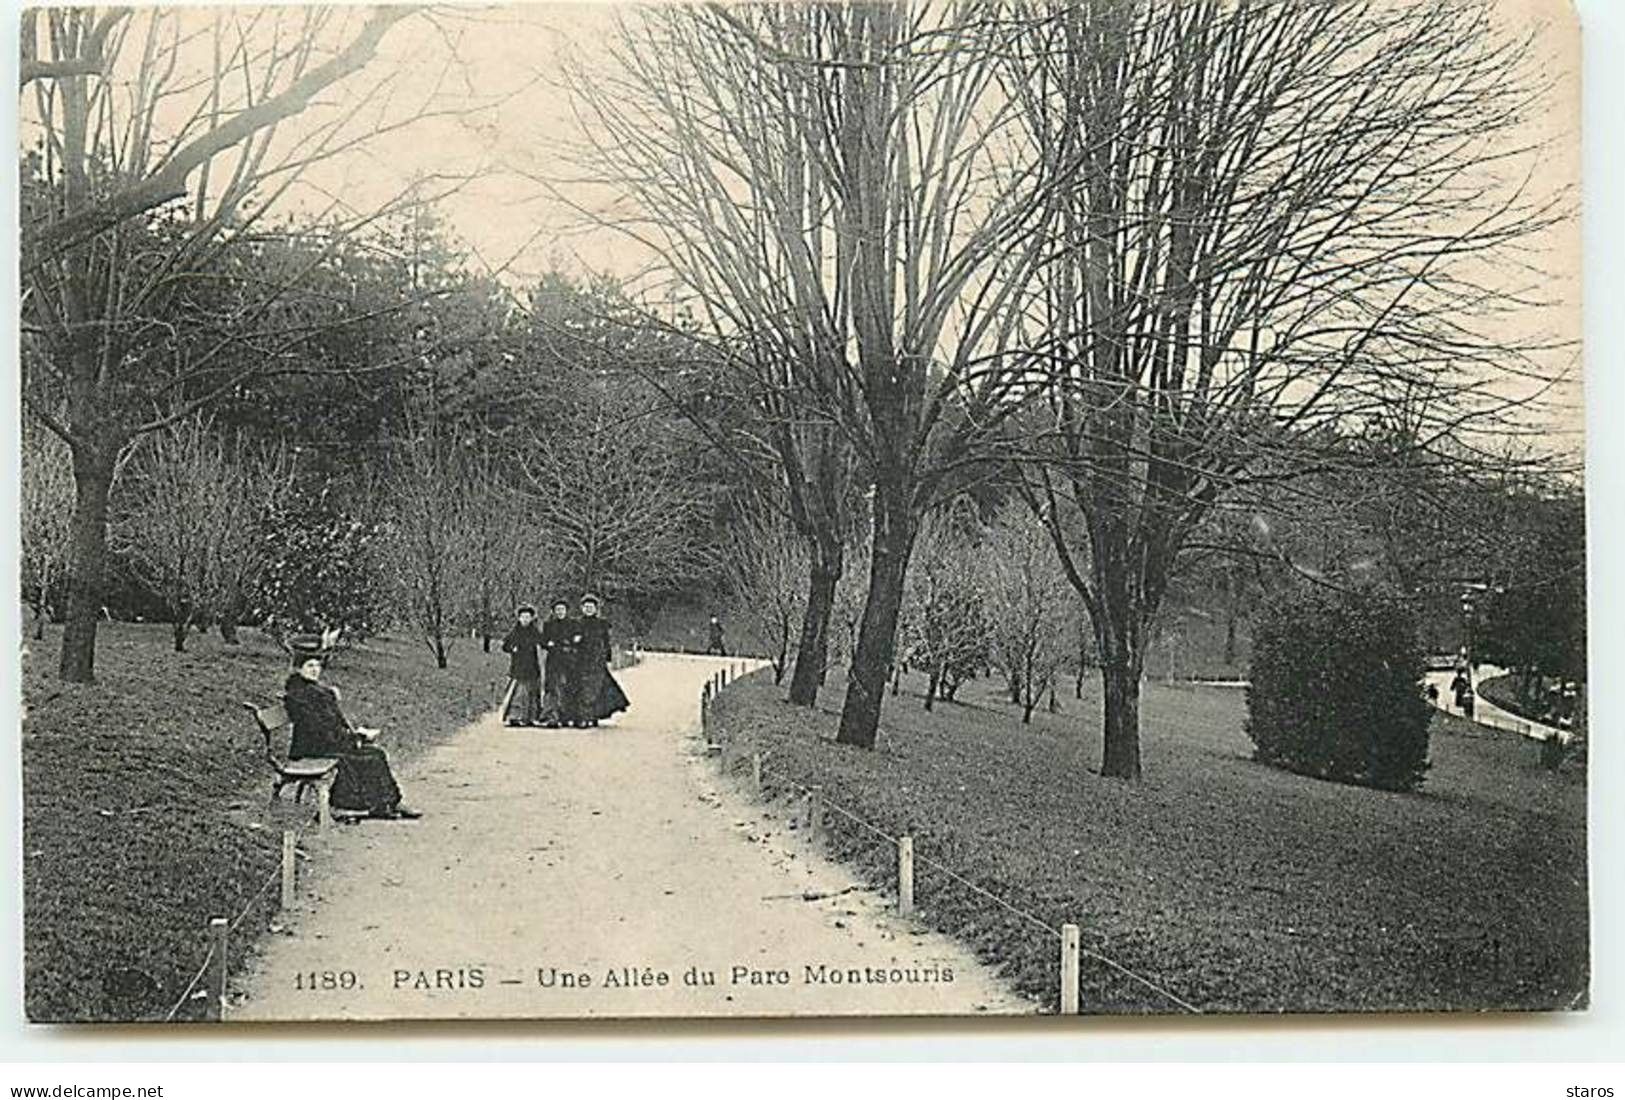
[(1336, 690)]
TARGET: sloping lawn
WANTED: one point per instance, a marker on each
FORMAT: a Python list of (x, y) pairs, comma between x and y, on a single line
[(1232, 885), (145, 800)]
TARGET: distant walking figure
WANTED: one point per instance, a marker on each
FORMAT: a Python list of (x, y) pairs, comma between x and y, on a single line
[(524, 642), (1462, 687), (593, 694), (320, 729), (714, 643)]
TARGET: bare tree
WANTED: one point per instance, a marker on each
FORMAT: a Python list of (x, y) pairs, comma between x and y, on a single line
[(149, 132), (1028, 604), (45, 506), (426, 486), (504, 546), (823, 182), (846, 616), (615, 500), (743, 227), (84, 43), (945, 629), (1282, 218), (178, 500), (766, 570)]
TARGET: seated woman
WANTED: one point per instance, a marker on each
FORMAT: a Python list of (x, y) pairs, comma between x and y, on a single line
[(364, 780)]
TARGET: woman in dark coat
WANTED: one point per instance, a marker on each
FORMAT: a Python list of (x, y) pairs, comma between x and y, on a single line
[(593, 694), (557, 631), (364, 781), (524, 641)]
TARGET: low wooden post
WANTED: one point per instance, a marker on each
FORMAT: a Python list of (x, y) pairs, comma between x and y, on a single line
[(324, 807), (290, 865), (1069, 970), (218, 927), (905, 875), (756, 772)]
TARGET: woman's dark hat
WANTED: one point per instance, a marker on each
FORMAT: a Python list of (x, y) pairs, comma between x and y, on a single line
[(526, 610), (302, 647), (588, 597)]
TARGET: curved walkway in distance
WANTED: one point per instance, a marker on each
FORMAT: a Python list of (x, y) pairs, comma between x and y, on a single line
[(1486, 713)]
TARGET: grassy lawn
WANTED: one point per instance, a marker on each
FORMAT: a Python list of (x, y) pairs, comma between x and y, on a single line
[(1237, 887), (144, 799)]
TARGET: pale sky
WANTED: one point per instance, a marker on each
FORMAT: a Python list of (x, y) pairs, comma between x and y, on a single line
[(508, 220)]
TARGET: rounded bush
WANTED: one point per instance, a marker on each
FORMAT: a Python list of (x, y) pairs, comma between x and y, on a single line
[(1336, 690)]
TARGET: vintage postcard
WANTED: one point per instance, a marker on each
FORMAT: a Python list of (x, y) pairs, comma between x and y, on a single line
[(907, 508)]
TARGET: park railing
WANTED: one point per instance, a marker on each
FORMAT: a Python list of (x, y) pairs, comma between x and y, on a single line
[(213, 973), (815, 809)]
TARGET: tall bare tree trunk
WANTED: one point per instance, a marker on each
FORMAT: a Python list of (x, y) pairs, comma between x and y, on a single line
[(812, 652), (783, 655), (1121, 680), (93, 485), (894, 530)]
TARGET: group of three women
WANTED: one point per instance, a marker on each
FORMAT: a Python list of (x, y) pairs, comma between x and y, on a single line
[(577, 688)]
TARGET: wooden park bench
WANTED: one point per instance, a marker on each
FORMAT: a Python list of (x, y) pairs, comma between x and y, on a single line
[(308, 773)]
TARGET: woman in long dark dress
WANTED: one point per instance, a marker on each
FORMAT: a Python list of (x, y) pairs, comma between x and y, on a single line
[(524, 642), (364, 781), (559, 652), (594, 694)]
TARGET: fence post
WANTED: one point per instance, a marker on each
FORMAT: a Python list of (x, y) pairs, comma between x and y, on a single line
[(289, 868), (1069, 970), (905, 875), (756, 772), (217, 968), (324, 805)]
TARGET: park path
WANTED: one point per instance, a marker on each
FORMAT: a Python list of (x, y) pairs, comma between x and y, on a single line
[(1486, 713), (612, 856)]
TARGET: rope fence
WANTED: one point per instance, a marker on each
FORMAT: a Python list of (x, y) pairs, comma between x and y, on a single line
[(215, 966), (816, 805)]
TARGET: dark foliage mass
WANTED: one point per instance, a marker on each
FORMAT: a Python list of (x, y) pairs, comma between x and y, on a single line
[(322, 570), (1336, 692), (1534, 619)]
